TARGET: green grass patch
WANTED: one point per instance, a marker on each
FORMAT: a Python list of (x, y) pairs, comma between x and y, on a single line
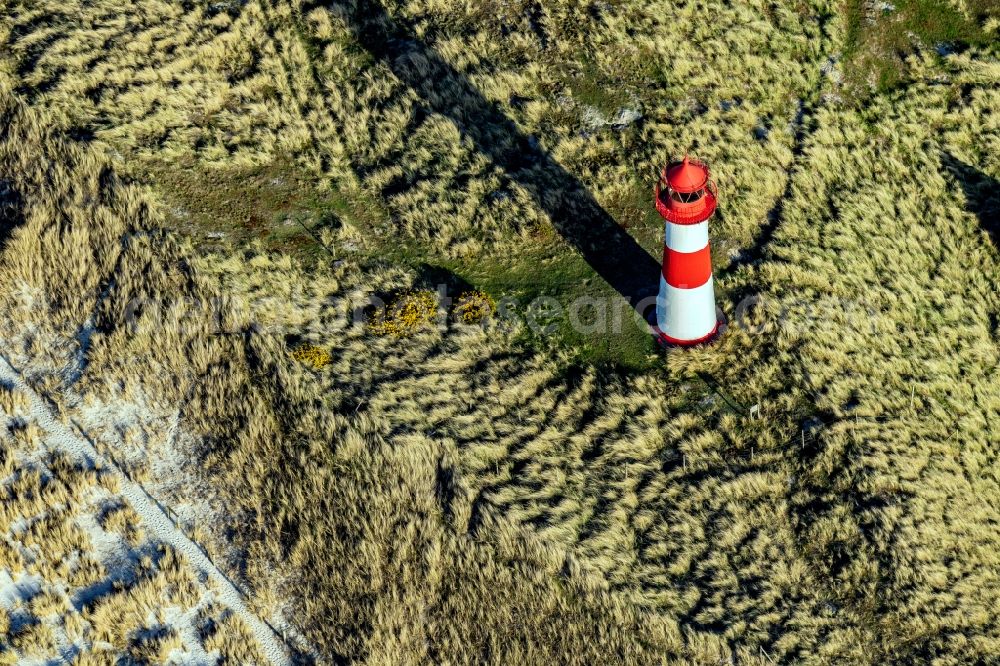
[(276, 206), (540, 285), (592, 87), (552, 286), (880, 36)]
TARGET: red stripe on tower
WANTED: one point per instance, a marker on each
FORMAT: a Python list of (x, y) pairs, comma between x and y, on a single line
[(685, 309), (687, 270)]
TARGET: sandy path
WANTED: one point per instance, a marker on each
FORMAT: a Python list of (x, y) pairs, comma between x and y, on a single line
[(60, 437)]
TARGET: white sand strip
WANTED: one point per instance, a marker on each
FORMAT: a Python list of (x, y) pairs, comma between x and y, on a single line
[(59, 437)]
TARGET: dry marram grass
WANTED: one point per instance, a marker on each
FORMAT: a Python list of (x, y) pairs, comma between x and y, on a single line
[(455, 495)]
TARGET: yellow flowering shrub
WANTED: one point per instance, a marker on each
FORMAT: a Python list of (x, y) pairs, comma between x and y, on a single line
[(406, 314), (473, 307), (311, 355)]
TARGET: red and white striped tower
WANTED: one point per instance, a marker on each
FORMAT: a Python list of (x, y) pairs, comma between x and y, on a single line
[(685, 308)]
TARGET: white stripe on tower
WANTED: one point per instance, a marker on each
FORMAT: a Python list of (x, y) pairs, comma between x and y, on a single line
[(686, 315), (686, 237)]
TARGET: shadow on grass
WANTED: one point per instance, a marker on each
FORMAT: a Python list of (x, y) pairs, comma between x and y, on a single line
[(982, 193), (576, 215), (438, 277), (11, 215), (758, 249)]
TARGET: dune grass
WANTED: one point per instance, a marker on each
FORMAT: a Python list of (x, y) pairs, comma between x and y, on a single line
[(482, 493)]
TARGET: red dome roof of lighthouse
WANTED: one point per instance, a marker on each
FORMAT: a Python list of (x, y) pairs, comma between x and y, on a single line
[(687, 176)]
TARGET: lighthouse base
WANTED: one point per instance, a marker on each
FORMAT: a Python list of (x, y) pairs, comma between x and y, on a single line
[(667, 342)]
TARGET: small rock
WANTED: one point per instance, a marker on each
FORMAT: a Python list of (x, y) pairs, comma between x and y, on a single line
[(565, 102), (831, 70), (625, 118), (594, 119)]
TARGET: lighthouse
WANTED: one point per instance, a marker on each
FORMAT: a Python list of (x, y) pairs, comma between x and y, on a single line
[(685, 308)]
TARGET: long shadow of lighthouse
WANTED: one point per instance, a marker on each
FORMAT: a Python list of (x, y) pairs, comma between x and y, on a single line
[(576, 215)]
